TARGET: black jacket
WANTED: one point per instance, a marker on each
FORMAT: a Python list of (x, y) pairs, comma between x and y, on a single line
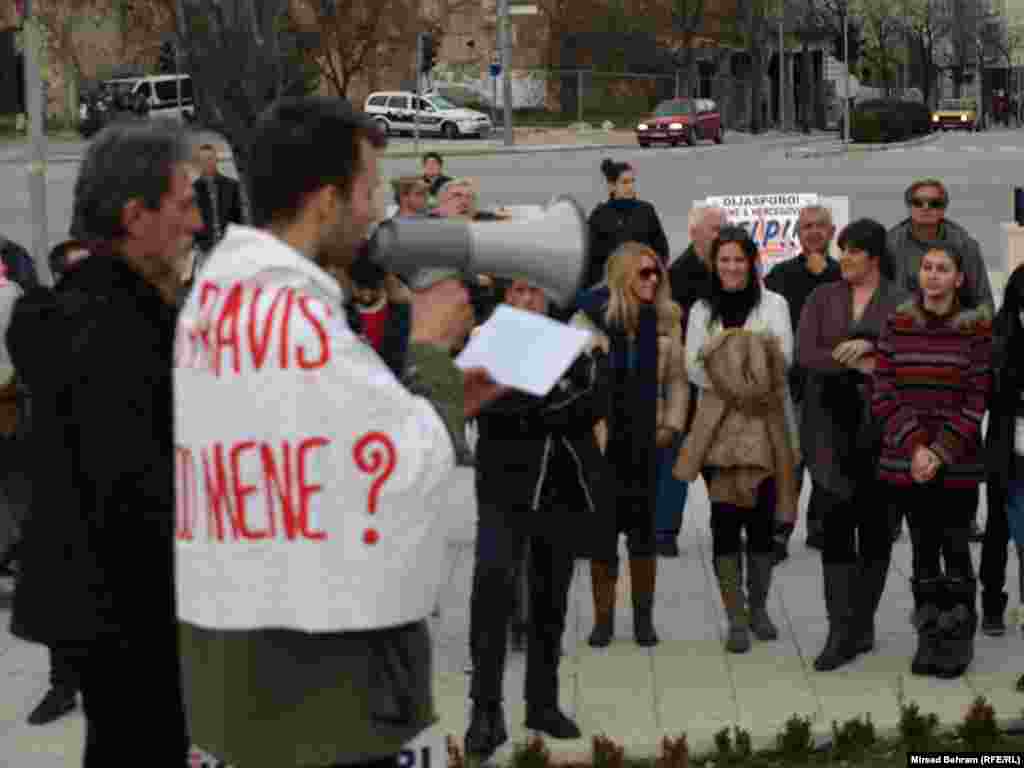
[(229, 207), (523, 437), (98, 552), (610, 227), (690, 281)]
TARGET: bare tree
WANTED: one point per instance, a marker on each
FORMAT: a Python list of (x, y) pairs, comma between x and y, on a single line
[(925, 28), (810, 21), (241, 58)]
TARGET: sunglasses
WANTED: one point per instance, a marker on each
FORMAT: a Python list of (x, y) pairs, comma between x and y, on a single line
[(928, 202), (649, 272)]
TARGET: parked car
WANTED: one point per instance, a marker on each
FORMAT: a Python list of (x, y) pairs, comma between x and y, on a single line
[(678, 120), (396, 111), (958, 114)]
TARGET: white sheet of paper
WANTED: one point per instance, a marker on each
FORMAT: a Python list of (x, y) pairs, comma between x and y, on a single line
[(523, 350)]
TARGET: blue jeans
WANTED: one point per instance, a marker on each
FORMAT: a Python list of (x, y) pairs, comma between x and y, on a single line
[(671, 498), (1015, 510)]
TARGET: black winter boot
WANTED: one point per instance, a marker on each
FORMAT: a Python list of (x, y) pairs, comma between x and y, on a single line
[(730, 584), (958, 624), (487, 729), (603, 578), (927, 596), (643, 576), (870, 587), (841, 646), (759, 581)]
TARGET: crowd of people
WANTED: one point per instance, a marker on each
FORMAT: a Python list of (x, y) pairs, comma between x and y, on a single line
[(140, 562)]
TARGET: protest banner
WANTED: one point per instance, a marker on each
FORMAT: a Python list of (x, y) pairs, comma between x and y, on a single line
[(772, 220)]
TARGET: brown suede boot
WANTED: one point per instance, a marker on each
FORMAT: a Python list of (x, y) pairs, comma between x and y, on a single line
[(643, 573), (728, 569), (603, 576)]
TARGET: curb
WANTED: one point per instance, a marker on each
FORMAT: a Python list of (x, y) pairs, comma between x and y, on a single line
[(526, 149), (844, 149)]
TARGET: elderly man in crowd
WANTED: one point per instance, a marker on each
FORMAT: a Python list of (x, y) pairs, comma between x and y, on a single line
[(690, 274)]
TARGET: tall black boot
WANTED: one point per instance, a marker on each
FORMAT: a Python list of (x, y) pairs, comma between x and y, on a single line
[(643, 575), (928, 594), (869, 589), (841, 646), (759, 581), (603, 579), (958, 624)]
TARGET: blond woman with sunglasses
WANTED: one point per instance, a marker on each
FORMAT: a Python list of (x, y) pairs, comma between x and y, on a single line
[(637, 324)]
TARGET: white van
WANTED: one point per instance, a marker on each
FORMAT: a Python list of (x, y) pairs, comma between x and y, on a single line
[(160, 93)]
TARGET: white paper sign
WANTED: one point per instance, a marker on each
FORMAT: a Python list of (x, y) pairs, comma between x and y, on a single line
[(523, 350), (772, 220)]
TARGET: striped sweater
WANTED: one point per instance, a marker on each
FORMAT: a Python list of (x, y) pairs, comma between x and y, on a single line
[(930, 386)]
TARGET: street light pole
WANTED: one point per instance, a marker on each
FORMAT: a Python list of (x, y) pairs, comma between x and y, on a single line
[(35, 109), (782, 79), (846, 78), (505, 49)]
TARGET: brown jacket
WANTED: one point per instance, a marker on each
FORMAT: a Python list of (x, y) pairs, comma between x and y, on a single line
[(740, 425), (673, 386)]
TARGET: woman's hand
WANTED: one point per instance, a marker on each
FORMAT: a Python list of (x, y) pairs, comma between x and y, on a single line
[(849, 352), (924, 465), (664, 437)]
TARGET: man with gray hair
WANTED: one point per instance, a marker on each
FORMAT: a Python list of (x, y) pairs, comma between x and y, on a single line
[(690, 274), (97, 570)]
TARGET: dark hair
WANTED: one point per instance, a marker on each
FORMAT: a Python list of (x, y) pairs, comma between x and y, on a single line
[(613, 170), (433, 156), (1007, 326), (126, 161), (300, 145), (869, 236), (950, 249), (751, 295), (364, 273)]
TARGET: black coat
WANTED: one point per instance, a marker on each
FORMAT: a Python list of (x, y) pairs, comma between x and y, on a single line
[(610, 227), (523, 437), (229, 207), (1004, 399), (98, 556)]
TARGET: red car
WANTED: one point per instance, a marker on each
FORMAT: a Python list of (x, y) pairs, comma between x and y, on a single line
[(678, 120)]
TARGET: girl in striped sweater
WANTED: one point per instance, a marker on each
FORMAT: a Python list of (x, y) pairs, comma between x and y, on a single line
[(930, 386)]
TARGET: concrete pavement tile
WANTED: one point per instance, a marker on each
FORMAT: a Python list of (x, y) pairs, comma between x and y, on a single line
[(693, 692), (57, 745), (865, 685), (948, 699), (771, 686), (615, 691)]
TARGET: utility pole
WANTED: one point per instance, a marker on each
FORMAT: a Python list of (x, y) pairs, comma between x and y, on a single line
[(846, 78), (782, 71), (35, 110), (419, 78), (505, 49)]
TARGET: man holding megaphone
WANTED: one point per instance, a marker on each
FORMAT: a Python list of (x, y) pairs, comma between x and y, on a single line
[(307, 556)]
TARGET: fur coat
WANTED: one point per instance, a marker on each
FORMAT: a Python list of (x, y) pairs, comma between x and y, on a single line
[(740, 427)]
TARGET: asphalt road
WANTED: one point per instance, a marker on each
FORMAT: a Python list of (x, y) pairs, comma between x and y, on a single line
[(979, 169)]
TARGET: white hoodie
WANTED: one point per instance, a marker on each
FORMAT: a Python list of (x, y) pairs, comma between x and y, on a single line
[(302, 462)]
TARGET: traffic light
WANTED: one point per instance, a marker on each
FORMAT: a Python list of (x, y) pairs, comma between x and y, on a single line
[(428, 52), (168, 63)]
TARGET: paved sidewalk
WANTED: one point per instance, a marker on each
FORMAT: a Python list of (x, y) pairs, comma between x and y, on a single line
[(685, 684)]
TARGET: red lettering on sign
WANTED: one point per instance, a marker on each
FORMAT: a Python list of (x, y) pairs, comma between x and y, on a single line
[(241, 491), (281, 479), (280, 483), (285, 327), (305, 491), (260, 346), (320, 332), (217, 500), (229, 317)]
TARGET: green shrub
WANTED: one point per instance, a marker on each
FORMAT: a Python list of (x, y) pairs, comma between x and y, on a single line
[(795, 743), (854, 739), (866, 127), (532, 754), (733, 749), (607, 754), (917, 731), (979, 729)]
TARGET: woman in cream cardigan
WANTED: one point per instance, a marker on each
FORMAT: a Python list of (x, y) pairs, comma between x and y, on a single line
[(637, 324), (739, 301)]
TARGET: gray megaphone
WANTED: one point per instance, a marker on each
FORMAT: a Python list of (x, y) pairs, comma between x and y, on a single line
[(548, 250)]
